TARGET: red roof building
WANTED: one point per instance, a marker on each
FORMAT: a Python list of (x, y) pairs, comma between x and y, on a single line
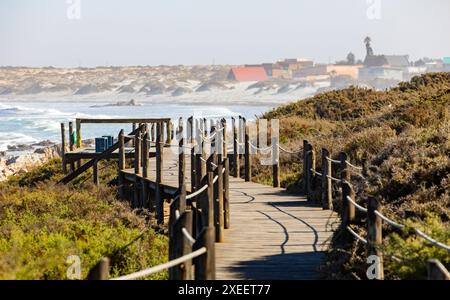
[(248, 74)]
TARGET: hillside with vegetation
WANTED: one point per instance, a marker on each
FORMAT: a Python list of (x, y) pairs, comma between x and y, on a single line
[(43, 223), (404, 135)]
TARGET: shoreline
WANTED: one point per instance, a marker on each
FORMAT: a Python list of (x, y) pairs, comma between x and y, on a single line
[(14, 164)]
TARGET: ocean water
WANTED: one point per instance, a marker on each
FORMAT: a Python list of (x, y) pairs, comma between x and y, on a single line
[(34, 121)]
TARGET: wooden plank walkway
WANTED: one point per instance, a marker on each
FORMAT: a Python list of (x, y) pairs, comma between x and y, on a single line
[(273, 235)]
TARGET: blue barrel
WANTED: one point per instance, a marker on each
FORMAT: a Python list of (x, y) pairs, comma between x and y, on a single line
[(101, 144), (110, 140)]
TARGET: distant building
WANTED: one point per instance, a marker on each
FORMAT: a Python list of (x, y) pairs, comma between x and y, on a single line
[(317, 70), (243, 74), (446, 60), (294, 64), (281, 73), (344, 70), (394, 61), (372, 73)]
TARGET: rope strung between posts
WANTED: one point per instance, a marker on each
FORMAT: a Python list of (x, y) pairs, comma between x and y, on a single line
[(240, 144), (353, 166), (190, 196), (162, 267), (416, 231), (267, 149), (333, 160), (334, 179), (289, 151), (356, 235), (315, 172), (188, 236), (357, 205)]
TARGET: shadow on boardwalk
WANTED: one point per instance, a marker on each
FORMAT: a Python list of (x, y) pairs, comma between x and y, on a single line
[(293, 266)]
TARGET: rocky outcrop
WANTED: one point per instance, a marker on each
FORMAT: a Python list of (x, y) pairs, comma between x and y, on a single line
[(13, 165)]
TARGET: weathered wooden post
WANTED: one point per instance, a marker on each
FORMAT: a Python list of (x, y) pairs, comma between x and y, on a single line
[(208, 210), (169, 136), (137, 168), (311, 159), (145, 168), (275, 162), (226, 195), (205, 265), (153, 132), (305, 166), (236, 165), (345, 174), (182, 246), (71, 144), (327, 197), (181, 170), (248, 161), (364, 165), (159, 167), (121, 164), (437, 271), (375, 235), (78, 130), (63, 148), (95, 172), (219, 207), (100, 271), (348, 209)]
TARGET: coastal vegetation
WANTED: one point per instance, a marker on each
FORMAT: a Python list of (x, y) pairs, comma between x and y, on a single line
[(404, 135), (43, 223)]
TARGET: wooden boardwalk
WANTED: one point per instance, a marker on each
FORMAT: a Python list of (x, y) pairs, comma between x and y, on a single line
[(273, 235)]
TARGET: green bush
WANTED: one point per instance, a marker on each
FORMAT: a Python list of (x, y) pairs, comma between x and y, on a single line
[(42, 223)]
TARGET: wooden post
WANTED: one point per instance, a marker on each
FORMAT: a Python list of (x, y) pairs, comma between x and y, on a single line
[(159, 166), (208, 210), (100, 271), (348, 209), (275, 162), (226, 195), (305, 166), (374, 234), (191, 141), (345, 174), (71, 144), (437, 271), (95, 172), (78, 130), (169, 136), (364, 165), (145, 168), (181, 246), (205, 265), (327, 197), (137, 169), (181, 170), (236, 165), (63, 148), (219, 207), (248, 161), (311, 165), (121, 164)]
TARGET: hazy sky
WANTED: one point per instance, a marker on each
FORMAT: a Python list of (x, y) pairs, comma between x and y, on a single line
[(150, 32)]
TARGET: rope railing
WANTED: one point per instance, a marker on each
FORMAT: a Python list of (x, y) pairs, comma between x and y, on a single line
[(266, 149), (195, 194), (333, 160), (357, 236), (188, 236), (315, 172), (353, 166), (289, 151), (356, 205), (162, 267), (334, 179)]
